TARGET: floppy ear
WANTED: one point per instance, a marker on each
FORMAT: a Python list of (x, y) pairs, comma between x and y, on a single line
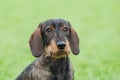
[(36, 42), (74, 41)]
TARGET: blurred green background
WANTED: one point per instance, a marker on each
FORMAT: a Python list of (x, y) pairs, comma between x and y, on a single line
[(97, 23)]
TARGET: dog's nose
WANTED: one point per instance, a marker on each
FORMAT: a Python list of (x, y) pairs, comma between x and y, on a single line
[(61, 44)]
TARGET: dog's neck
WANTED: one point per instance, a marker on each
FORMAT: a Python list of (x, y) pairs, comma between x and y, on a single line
[(49, 61), (60, 66)]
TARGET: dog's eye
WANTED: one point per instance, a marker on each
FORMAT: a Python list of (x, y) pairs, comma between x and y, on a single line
[(65, 29), (49, 30)]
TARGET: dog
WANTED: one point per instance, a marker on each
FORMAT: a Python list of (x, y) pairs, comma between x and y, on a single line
[(51, 44)]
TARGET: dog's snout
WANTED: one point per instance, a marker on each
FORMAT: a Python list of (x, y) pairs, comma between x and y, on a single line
[(61, 44)]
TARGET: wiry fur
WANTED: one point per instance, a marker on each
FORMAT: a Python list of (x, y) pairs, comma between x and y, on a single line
[(45, 68), (52, 61)]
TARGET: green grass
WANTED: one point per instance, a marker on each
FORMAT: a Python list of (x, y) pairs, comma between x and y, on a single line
[(96, 21)]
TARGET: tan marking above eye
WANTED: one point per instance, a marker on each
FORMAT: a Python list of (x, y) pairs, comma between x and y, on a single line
[(62, 25), (50, 29)]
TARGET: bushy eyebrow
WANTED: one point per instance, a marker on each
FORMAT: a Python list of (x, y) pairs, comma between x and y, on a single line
[(45, 28)]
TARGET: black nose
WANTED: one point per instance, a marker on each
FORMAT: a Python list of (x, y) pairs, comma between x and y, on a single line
[(61, 44)]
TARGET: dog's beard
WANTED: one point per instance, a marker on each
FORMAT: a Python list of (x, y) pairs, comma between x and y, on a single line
[(53, 51)]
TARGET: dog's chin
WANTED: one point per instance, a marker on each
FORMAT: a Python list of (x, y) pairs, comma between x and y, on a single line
[(60, 54)]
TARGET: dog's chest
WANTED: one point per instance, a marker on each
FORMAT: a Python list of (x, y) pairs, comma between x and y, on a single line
[(53, 69)]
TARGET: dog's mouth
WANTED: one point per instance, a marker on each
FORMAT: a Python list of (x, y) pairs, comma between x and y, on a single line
[(61, 51), (59, 54)]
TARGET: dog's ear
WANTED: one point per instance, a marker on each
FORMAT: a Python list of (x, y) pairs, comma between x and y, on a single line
[(74, 41), (36, 42)]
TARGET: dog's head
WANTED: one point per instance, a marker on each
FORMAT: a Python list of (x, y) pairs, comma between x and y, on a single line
[(54, 37)]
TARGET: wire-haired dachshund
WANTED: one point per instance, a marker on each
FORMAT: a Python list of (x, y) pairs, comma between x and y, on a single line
[(51, 44)]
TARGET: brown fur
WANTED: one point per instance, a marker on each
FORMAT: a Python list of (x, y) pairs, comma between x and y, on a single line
[(53, 51), (51, 44)]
